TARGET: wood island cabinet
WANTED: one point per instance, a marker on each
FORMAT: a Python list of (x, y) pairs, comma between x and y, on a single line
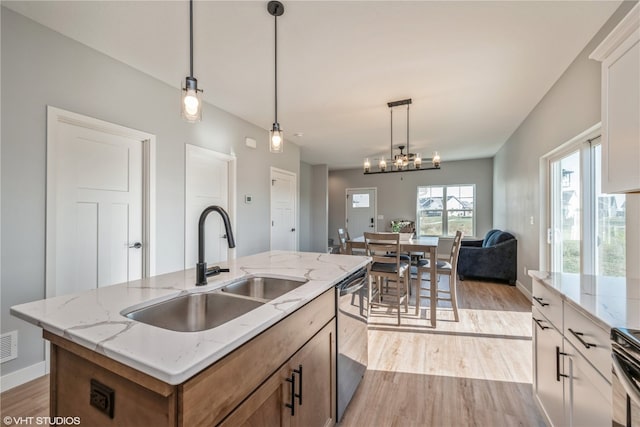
[(299, 393), (251, 386)]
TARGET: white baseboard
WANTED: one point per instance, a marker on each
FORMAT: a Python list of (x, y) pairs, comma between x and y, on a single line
[(524, 290), (22, 376)]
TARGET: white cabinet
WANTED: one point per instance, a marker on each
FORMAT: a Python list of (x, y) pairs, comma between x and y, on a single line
[(548, 384), (619, 53), (571, 385), (587, 393)]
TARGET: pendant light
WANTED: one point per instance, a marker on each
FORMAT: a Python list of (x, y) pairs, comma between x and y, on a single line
[(191, 102), (276, 135), (403, 162)]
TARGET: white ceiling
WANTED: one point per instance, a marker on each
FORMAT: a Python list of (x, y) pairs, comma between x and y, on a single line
[(474, 69)]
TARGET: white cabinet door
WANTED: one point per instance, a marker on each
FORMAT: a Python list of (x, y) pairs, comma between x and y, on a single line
[(548, 384), (588, 394), (619, 53)]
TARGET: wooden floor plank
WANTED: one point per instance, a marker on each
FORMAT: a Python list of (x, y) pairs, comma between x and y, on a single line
[(476, 372), (27, 400)]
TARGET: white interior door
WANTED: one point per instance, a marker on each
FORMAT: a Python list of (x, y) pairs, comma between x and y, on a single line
[(206, 183), (283, 210), (361, 211), (98, 208)]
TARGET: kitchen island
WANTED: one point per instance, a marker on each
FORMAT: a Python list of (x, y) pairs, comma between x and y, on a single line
[(116, 371)]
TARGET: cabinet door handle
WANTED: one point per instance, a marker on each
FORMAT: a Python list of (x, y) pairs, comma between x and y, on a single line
[(292, 405), (579, 336), (539, 301), (558, 354), (539, 323), (299, 395)]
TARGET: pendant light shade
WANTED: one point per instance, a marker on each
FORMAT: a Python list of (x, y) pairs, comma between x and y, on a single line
[(190, 99), (276, 135), (276, 139)]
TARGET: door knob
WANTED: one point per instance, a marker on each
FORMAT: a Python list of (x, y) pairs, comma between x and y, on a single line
[(136, 245), (293, 229)]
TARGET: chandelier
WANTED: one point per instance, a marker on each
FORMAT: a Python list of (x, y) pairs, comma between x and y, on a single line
[(401, 162)]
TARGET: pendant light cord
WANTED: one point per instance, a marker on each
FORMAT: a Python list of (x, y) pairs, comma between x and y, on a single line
[(391, 139), (191, 38), (275, 61)]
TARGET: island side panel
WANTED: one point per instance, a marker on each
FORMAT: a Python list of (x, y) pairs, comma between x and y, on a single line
[(133, 404)]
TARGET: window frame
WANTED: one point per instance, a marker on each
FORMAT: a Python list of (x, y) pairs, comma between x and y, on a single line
[(585, 144), (445, 212)]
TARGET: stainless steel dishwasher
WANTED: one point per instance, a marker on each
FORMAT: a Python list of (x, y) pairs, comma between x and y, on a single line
[(351, 336)]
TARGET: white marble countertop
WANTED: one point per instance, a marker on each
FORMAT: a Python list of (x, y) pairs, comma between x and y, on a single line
[(612, 302), (92, 318)]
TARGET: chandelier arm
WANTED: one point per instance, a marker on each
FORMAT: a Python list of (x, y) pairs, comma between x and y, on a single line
[(408, 150), (391, 137)]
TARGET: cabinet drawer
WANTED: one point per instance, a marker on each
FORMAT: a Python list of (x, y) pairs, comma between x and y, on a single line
[(549, 303), (589, 339)]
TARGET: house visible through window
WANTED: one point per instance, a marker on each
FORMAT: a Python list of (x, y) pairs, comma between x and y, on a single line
[(443, 210), (587, 227)]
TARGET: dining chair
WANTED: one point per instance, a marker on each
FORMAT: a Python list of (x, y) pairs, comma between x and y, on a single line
[(388, 269), (449, 268), (343, 236)]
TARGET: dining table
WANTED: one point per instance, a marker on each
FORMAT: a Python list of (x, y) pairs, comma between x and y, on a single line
[(424, 244)]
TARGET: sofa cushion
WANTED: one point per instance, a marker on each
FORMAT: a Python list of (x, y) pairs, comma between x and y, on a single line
[(488, 238)]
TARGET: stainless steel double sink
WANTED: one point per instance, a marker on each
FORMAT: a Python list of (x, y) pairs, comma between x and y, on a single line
[(205, 310)]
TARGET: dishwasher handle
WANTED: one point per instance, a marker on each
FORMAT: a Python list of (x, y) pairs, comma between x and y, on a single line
[(628, 376), (353, 283)]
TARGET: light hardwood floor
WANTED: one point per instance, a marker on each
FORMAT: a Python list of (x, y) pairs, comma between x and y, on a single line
[(476, 372)]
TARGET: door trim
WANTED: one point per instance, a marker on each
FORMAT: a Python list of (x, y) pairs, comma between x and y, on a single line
[(231, 191), (375, 207), (56, 116), (273, 169)]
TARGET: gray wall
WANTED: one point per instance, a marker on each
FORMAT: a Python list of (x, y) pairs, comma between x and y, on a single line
[(320, 208), (306, 181), (397, 192), (313, 207), (571, 106), (40, 68)]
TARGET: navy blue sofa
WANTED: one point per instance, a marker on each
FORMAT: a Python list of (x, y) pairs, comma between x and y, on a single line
[(493, 258)]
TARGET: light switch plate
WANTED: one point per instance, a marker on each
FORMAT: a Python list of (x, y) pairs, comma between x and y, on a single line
[(250, 142)]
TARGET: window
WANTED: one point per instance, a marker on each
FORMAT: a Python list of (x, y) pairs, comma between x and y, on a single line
[(587, 227), (443, 210), (361, 200)]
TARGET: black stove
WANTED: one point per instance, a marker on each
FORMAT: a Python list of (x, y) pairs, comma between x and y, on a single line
[(627, 340), (625, 377)]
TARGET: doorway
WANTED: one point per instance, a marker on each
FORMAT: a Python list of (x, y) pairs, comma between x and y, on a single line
[(284, 235), (209, 180), (100, 203), (361, 211)]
